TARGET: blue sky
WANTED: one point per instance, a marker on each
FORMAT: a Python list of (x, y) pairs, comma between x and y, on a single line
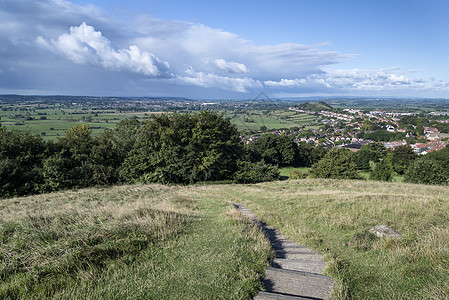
[(225, 49)]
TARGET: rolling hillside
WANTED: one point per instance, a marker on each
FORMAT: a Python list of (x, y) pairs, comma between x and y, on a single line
[(156, 241)]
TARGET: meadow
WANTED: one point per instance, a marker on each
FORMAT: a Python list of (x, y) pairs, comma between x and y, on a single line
[(186, 242), (273, 119), (51, 120)]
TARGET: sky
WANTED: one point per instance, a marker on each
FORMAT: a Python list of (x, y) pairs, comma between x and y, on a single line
[(225, 49)]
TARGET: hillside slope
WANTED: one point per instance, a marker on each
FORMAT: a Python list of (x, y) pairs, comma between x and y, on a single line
[(156, 241), (334, 216)]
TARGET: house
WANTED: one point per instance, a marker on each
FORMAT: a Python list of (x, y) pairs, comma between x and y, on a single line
[(429, 130), (393, 145), (437, 136), (354, 147)]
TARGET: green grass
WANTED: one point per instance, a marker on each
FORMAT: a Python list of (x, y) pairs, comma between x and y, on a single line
[(129, 242), (286, 171), (396, 178)]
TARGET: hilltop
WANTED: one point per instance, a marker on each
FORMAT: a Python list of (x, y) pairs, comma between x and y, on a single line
[(314, 106), (185, 241)]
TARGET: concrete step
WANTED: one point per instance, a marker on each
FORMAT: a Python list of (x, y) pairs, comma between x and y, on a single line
[(272, 296), (285, 243), (310, 266), (297, 283), (289, 246), (298, 255), (293, 250)]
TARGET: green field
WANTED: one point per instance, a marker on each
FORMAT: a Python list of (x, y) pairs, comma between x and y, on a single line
[(186, 242), (276, 119), (51, 121)]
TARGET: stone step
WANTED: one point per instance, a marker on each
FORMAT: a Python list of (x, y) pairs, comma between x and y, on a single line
[(310, 266), (315, 256), (284, 243), (294, 250), (271, 296), (288, 246), (297, 283)]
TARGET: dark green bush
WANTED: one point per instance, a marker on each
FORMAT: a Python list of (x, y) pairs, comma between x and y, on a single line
[(426, 171), (337, 164), (249, 172), (382, 171), (298, 175)]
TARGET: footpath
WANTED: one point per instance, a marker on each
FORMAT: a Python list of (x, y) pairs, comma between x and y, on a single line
[(296, 272)]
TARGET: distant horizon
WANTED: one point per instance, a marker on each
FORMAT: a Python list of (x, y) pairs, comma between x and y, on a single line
[(367, 98), (225, 49)]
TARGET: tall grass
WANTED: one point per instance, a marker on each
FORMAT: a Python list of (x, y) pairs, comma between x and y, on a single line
[(159, 242), (128, 242), (51, 241), (334, 216)]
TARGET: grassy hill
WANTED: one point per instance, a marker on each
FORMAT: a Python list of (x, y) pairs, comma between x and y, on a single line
[(315, 106), (185, 242)]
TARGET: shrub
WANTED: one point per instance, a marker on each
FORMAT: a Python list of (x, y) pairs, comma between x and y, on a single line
[(297, 175), (382, 171), (249, 172), (402, 157), (336, 164), (426, 171)]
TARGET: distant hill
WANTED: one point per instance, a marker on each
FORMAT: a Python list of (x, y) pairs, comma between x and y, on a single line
[(315, 106)]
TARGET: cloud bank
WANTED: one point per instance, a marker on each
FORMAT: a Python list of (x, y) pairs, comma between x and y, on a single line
[(84, 45), (55, 46)]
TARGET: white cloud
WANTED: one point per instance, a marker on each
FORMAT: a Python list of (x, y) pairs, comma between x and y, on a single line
[(185, 43), (356, 80), (209, 80), (84, 45), (231, 67)]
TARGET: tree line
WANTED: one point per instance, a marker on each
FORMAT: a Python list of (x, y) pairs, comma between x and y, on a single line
[(167, 148), (188, 148), (382, 164)]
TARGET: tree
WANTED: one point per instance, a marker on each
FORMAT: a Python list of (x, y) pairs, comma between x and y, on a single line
[(21, 156), (382, 171), (402, 157), (376, 146), (80, 160), (125, 135), (442, 157), (363, 158), (183, 148), (276, 150), (67, 166), (426, 171), (249, 172), (337, 163)]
